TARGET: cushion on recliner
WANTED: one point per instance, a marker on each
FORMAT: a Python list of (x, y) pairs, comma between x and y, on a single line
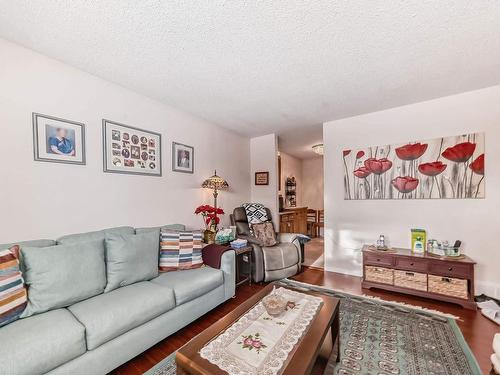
[(92, 236), (280, 256), (241, 222), (190, 284), (40, 343), (110, 315)]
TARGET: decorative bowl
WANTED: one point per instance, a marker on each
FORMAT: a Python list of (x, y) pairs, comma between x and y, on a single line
[(274, 304)]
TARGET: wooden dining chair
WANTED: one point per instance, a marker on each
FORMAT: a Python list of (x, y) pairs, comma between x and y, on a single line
[(311, 220), (320, 222)]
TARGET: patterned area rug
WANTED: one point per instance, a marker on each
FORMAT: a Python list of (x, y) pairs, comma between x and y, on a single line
[(384, 338), (165, 367)]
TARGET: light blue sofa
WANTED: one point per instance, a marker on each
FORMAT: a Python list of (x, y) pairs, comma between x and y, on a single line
[(98, 334)]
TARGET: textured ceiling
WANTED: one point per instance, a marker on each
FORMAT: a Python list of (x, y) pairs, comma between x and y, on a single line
[(269, 66)]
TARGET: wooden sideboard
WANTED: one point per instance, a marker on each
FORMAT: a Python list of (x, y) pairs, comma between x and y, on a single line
[(420, 275), (293, 220)]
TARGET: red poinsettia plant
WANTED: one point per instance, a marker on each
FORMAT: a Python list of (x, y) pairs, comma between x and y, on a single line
[(209, 215)]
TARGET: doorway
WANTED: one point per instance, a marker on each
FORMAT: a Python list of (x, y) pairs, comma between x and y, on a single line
[(300, 191)]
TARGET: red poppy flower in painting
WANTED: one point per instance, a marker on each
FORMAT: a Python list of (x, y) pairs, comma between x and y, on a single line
[(346, 152), (360, 154), (378, 166), (362, 172), (432, 169), (411, 151), (478, 165), (405, 184), (460, 153)]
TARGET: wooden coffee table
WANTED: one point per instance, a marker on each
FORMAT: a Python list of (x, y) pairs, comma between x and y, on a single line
[(319, 344)]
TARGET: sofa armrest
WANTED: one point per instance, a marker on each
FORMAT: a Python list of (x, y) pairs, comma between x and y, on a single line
[(228, 267), (291, 238)]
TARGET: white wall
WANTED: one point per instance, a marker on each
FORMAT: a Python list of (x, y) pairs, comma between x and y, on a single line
[(291, 167), (47, 199), (312, 183), (349, 224), (263, 153)]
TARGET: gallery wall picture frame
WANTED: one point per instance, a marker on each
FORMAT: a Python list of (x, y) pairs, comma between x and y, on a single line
[(182, 158), (261, 178), (58, 140), (130, 150)]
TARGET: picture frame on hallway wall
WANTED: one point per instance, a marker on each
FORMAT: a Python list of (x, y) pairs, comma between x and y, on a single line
[(58, 140), (261, 178), (182, 158), (130, 150), (441, 168)]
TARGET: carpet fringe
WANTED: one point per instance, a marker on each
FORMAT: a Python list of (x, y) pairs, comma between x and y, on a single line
[(402, 304)]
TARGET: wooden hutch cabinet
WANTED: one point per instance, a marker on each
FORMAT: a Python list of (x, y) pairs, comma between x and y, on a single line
[(293, 220)]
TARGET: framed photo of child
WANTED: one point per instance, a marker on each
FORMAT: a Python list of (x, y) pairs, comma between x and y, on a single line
[(58, 140)]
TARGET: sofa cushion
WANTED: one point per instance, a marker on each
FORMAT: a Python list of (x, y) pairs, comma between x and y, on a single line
[(131, 258), (159, 229), (110, 315), (180, 250), (92, 236), (40, 343), (32, 243), (61, 275), (281, 256), (13, 298), (190, 284)]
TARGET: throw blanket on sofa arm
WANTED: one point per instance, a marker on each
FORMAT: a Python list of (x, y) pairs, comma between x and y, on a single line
[(212, 254)]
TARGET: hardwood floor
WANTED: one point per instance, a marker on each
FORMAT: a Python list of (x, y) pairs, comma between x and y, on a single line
[(477, 330), (313, 253)]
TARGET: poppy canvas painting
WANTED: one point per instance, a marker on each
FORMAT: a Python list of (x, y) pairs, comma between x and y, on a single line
[(442, 168)]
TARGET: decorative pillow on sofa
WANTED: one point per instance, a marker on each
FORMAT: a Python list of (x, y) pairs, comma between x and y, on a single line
[(13, 298), (131, 258), (265, 233), (180, 250), (61, 275)]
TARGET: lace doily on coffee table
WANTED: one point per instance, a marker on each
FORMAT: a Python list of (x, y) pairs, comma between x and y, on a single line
[(259, 343)]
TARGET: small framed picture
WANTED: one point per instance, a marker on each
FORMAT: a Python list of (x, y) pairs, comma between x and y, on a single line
[(182, 158), (128, 149), (261, 178), (58, 140)]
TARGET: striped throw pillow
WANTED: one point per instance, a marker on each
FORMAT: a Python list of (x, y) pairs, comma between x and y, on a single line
[(180, 250), (13, 298)]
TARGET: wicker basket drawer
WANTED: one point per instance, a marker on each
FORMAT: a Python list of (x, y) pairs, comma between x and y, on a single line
[(411, 280), (448, 286), (379, 275)]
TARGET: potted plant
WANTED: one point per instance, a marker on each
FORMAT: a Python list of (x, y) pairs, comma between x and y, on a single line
[(210, 220)]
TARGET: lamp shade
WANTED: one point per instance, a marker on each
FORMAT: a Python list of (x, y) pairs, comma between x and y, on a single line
[(215, 183)]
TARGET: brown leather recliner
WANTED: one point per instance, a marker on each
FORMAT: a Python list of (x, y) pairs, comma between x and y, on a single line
[(269, 262)]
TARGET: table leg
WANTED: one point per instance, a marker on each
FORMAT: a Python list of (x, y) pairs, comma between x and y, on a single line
[(181, 371), (335, 330), (250, 268)]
